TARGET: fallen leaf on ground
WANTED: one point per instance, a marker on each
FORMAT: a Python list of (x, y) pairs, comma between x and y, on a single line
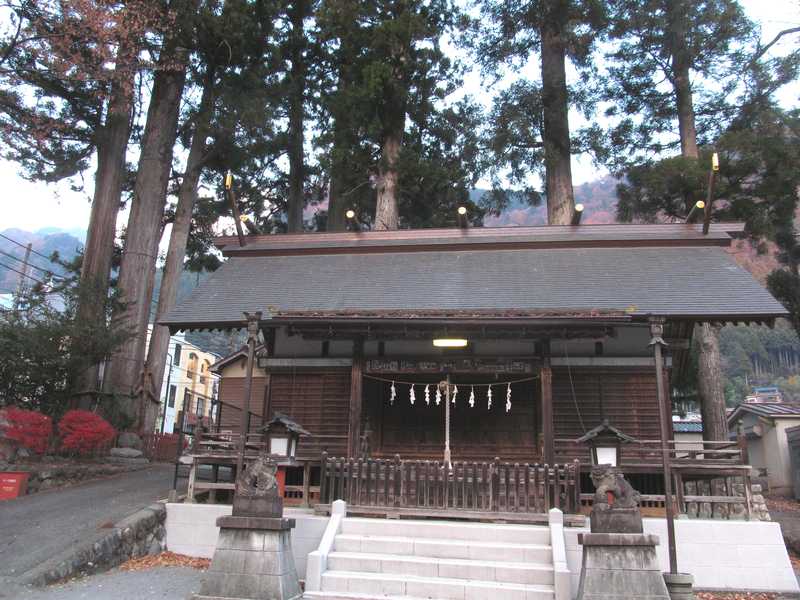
[(165, 559)]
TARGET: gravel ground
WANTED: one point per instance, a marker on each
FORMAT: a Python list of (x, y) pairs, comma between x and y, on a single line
[(164, 583)]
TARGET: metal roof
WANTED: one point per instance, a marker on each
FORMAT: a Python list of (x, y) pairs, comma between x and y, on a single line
[(604, 282), (413, 240), (767, 409), (687, 427)]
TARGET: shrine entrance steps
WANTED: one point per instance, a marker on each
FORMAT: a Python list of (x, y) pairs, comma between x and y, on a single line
[(384, 559)]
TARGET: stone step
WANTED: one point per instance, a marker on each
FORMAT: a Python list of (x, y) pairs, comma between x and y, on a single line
[(380, 585), (444, 548), (353, 596), (448, 530), (477, 570)]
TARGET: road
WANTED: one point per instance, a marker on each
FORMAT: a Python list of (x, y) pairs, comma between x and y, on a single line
[(165, 583), (37, 527)]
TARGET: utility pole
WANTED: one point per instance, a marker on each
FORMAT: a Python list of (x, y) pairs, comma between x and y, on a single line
[(22, 276)]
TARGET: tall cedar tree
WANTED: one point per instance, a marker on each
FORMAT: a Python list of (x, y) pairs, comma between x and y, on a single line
[(532, 121), (677, 40), (218, 54), (127, 377), (80, 107), (672, 77), (390, 135)]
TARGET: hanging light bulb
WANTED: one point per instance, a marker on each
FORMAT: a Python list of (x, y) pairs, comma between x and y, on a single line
[(508, 398), (428, 395), (489, 399), (472, 397), (455, 393), (411, 395), (392, 394), (438, 396)]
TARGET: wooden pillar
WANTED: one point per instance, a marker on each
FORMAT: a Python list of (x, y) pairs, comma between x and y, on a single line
[(665, 420), (356, 382), (252, 337), (546, 381)]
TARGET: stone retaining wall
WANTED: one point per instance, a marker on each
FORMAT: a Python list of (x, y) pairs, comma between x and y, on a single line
[(140, 534), (45, 476)]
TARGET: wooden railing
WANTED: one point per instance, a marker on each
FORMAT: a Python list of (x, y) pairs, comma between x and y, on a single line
[(640, 452), (469, 486)]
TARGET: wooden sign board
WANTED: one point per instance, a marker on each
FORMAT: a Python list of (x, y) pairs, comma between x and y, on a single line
[(514, 366)]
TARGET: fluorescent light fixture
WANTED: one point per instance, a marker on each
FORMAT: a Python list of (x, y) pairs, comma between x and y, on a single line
[(450, 342)]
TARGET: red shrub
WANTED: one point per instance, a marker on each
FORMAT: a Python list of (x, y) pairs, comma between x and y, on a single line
[(28, 428), (84, 432)]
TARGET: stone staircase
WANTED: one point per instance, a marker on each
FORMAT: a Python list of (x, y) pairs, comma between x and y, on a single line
[(379, 559)]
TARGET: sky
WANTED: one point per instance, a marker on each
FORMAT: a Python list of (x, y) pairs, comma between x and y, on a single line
[(31, 206)]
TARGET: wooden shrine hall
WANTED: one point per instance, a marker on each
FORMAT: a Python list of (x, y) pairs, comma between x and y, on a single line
[(492, 350)]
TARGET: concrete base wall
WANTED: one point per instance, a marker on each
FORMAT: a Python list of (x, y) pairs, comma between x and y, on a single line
[(192, 530), (734, 555)]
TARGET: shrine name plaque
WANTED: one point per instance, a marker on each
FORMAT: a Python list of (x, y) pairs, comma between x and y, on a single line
[(517, 366)]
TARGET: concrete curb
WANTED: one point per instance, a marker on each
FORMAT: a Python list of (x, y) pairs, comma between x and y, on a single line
[(139, 534)]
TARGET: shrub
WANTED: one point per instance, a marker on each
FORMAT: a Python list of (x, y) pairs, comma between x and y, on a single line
[(28, 428), (83, 432)]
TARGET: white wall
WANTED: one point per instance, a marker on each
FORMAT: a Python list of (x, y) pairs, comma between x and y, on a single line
[(734, 555), (192, 530)]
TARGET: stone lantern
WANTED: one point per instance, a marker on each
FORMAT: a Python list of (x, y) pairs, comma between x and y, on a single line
[(282, 436), (605, 442)]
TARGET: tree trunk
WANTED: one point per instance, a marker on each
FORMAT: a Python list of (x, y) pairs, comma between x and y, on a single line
[(709, 383), (341, 175), (173, 265), (681, 84), (386, 212), (99, 248), (297, 91), (555, 101), (137, 272)]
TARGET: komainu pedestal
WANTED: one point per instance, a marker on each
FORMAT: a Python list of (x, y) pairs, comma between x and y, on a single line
[(253, 558), (619, 561)]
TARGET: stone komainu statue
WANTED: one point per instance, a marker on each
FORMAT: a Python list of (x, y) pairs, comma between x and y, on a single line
[(612, 489), (616, 503), (258, 479)]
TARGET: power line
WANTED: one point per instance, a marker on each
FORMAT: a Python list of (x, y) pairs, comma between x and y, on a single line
[(31, 265), (23, 273), (21, 245)]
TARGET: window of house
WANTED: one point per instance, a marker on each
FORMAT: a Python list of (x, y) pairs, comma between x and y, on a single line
[(201, 407), (176, 357), (187, 400), (191, 369), (173, 390)]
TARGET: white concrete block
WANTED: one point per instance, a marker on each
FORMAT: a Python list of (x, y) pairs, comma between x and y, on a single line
[(377, 584), (782, 580), (379, 545), (461, 569), (524, 574), (347, 543), (443, 549), (435, 588), (334, 582)]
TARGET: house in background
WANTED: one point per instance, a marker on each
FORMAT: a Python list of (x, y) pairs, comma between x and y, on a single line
[(188, 384), (764, 425), (766, 394)]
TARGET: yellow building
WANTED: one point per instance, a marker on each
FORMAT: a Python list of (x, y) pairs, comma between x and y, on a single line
[(188, 384)]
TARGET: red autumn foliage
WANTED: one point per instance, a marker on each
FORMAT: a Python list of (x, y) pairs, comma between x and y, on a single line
[(28, 428), (84, 432)]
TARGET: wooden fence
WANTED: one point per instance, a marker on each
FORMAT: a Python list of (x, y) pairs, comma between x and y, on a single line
[(160, 447), (467, 486)]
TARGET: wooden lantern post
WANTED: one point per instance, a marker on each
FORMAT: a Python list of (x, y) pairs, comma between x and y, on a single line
[(665, 419), (253, 321)]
